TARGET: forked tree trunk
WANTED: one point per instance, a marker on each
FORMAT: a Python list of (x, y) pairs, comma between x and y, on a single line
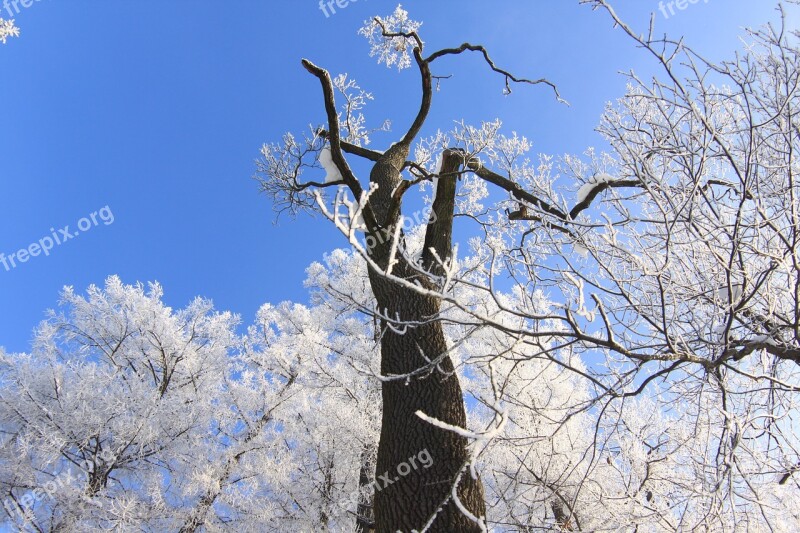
[(408, 495)]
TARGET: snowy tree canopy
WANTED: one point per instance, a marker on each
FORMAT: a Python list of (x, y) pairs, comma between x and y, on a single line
[(127, 414)]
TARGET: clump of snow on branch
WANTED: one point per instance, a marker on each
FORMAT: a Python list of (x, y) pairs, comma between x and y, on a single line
[(578, 283), (593, 183), (7, 29), (391, 49), (332, 173)]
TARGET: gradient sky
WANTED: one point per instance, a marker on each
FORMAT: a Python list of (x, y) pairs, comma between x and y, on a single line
[(158, 109)]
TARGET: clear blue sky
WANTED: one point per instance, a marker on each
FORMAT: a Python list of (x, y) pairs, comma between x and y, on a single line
[(157, 109)]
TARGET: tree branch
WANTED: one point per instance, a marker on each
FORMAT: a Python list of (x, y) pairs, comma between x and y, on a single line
[(439, 231), (508, 76), (334, 137)]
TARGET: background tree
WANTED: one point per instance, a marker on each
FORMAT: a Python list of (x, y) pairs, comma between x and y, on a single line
[(109, 402), (128, 415)]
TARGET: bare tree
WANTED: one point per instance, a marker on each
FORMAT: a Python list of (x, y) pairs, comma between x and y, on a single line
[(670, 265), (415, 359)]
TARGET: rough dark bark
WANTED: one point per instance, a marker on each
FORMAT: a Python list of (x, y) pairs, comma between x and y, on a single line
[(421, 496), (439, 233), (410, 501)]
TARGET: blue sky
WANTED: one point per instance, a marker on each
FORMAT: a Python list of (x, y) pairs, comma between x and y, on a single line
[(158, 109)]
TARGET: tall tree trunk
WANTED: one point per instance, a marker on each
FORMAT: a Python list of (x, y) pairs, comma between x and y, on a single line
[(409, 495)]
